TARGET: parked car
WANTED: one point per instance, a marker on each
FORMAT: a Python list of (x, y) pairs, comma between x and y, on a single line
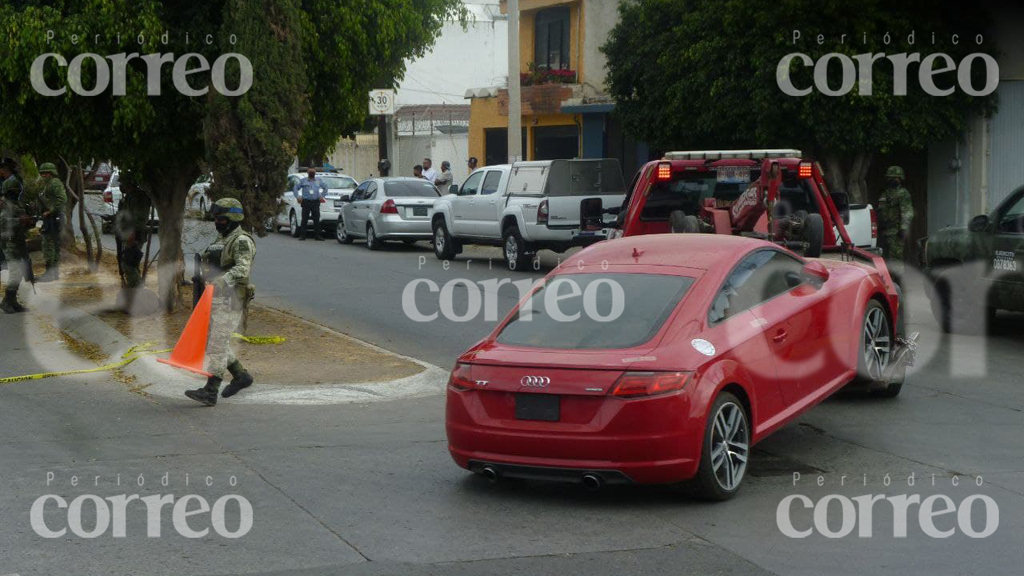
[(339, 190), (385, 209), (974, 271), (721, 341), (197, 198), (101, 178), (525, 207), (728, 191)]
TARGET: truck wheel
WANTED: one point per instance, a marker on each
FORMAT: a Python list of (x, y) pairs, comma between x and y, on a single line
[(681, 223), (726, 449), (444, 246), (955, 304), (814, 235), (514, 248)]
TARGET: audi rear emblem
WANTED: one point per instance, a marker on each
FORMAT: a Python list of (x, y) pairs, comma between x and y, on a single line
[(535, 381)]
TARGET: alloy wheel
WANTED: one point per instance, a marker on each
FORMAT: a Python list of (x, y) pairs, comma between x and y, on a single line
[(339, 231), (511, 249), (730, 446), (877, 343), (439, 240)]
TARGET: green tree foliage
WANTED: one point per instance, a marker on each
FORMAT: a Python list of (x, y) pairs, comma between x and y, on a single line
[(347, 48), (702, 74)]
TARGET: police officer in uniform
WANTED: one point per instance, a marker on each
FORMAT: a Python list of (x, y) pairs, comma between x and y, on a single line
[(896, 213), (229, 261), (52, 200), (13, 223), (131, 228)]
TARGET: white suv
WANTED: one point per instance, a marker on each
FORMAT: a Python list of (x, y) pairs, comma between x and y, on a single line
[(525, 207)]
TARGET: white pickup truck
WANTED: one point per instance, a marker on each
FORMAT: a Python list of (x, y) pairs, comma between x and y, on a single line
[(525, 207), (860, 221)]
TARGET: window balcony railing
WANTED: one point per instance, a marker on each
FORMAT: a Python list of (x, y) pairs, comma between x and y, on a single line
[(538, 76)]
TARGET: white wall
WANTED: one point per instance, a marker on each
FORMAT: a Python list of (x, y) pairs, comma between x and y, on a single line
[(459, 60)]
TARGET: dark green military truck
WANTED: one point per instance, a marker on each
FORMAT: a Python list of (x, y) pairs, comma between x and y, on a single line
[(977, 270)]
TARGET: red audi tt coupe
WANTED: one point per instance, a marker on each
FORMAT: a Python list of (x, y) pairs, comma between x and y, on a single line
[(664, 358)]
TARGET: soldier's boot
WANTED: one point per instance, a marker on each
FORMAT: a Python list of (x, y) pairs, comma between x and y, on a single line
[(9, 305), (47, 276), (240, 379), (207, 394)]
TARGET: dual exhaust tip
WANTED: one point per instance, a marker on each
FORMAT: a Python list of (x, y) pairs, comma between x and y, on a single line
[(590, 481)]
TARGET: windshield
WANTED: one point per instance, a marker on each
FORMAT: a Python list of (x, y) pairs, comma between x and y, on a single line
[(585, 178), (335, 182), (688, 191), (410, 189), (593, 311)]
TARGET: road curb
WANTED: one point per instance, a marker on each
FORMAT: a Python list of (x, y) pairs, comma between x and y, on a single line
[(164, 381)]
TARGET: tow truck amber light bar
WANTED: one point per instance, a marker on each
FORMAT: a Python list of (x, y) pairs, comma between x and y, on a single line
[(734, 154)]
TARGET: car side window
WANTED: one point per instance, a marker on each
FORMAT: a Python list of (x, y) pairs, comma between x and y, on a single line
[(759, 277), (491, 182), (292, 181), (360, 192), (472, 185), (371, 191), (1011, 220)]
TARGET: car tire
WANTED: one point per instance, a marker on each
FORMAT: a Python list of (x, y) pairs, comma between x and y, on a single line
[(202, 207), (719, 476), (681, 223), (293, 224), (269, 226), (340, 233), (107, 227), (513, 247), (444, 245), (955, 304), (372, 242), (875, 344), (814, 235)]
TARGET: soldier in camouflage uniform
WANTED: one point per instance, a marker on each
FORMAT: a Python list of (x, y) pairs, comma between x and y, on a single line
[(131, 228), (896, 212), (229, 260), (52, 200), (13, 222)]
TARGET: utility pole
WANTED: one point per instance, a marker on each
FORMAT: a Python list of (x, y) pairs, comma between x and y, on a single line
[(515, 105), (382, 145)]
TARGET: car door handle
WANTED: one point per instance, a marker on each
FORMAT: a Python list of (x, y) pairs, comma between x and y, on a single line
[(780, 336)]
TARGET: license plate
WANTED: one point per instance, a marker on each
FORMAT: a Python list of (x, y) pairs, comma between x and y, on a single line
[(537, 407), (99, 178), (734, 174), (419, 211)]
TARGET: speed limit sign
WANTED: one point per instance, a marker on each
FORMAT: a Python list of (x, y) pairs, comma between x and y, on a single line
[(382, 102)]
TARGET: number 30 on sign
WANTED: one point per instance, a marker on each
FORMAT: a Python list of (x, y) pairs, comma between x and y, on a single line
[(382, 102)]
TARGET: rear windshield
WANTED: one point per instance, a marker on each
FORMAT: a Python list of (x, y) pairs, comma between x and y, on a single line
[(688, 191), (643, 302), (585, 178), (410, 189), (335, 182)]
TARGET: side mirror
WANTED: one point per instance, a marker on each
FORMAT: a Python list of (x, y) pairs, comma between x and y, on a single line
[(591, 214), (815, 273), (979, 223), (453, 189)]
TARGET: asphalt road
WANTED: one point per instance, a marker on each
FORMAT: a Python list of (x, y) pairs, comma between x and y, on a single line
[(370, 489)]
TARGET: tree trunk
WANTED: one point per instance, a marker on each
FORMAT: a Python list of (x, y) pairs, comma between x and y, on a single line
[(169, 191), (848, 173), (80, 185)]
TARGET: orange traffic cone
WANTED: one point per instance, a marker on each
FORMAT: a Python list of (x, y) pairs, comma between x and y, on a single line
[(190, 350)]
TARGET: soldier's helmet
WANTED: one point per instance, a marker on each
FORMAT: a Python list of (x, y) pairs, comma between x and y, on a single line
[(895, 172), (48, 167), (229, 208)]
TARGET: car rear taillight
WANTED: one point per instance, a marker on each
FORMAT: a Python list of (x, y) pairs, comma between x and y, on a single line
[(635, 384), (542, 212), (108, 197), (874, 224), (806, 170), (389, 207), (459, 379), (664, 171)]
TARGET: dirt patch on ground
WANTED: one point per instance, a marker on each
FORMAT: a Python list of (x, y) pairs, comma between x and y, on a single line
[(309, 354)]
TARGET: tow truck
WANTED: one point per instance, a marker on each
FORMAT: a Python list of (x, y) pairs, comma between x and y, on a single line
[(776, 195)]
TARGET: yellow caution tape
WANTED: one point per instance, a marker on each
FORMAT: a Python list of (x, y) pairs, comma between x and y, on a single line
[(260, 340), (133, 354)]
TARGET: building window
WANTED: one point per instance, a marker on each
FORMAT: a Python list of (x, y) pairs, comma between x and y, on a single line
[(551, 39)]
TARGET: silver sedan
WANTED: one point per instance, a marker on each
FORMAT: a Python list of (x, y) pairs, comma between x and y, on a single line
[(388, 209)]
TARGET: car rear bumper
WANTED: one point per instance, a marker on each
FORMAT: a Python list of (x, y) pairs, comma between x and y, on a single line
[(395, 227), (647, 441)]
